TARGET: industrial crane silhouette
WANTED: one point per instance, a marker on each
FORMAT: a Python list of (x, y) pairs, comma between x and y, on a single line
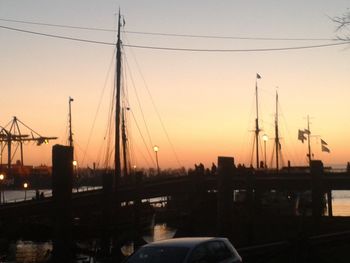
[(13, 136)]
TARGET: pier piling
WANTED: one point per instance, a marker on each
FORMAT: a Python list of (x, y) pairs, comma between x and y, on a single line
[(225, 196), (62, 180), (316, 169)]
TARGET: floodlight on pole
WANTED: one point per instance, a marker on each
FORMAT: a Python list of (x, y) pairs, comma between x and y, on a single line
[(156, 149), (25, 186), (265, 139)]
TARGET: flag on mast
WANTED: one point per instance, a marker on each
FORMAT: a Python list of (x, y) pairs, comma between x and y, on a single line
[(324, 148), (301, 136), (258, 76)]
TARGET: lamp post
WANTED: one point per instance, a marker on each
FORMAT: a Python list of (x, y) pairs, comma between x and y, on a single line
[(25, 186), (75, 165), (2, 199), (265, 138), (156, 149)]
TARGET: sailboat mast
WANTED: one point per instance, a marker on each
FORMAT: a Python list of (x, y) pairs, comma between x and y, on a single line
[(70, 139), (124, 143), (117, 165), (277, 139), (308, 139), (257, 130)]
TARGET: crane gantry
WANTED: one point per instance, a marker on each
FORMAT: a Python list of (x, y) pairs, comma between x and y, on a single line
[(12, 138)]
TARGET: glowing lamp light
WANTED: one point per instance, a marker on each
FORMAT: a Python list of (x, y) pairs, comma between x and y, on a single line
[(75, 163), (265, 137), (25, 185), (2, 177), (155, 148)]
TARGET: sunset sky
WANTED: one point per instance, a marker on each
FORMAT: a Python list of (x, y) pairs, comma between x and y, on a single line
[(205, 99)]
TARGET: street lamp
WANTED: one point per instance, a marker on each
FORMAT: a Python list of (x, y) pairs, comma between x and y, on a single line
[(2, 199), (265, 139), (75, 165), (156, 149), (25, 186)]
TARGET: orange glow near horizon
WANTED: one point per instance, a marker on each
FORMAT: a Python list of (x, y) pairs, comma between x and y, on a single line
[(205, 100)]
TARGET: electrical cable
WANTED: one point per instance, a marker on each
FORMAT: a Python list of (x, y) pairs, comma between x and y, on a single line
[(344, 42), (238, 50), (170, 34)]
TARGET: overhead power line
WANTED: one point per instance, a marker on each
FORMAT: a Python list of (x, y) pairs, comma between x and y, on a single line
[(57, 25), (229, 37), (180, 49), (57, 36), (171, 34), (239, 50)]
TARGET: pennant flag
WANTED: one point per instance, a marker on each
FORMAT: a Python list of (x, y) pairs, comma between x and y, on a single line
[(258, 76), (323, 142), (307, 131), (301, 136), (325, 149)]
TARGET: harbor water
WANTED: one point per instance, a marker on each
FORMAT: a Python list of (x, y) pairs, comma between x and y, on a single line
[(28, 251)]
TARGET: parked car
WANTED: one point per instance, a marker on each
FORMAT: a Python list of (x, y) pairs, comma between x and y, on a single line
[(187, 250)]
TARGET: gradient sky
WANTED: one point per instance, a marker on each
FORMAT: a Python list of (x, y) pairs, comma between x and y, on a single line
[(206, 100)]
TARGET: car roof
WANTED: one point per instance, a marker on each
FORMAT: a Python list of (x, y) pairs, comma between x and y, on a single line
[(188, 242)]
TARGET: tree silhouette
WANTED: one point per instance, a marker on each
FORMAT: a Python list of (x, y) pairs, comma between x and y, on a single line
[(343, 25)]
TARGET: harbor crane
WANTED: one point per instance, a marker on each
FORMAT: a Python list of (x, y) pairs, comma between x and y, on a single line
[(12, 138)]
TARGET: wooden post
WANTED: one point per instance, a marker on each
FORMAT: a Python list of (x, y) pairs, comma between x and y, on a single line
[(62, 178), (107, 213), (329, 203), (137, 207), (250, 206), (316, 169), (225, 196)]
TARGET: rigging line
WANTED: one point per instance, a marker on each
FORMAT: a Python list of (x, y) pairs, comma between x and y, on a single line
[(294, 153), (66, 131), (139, 104), (99, 104), (252, 155), (5, 127), (108, 131), (83, 151), (156, 110), (179, 49), (167, 34), (58, 25), (28, 127), (238, 50), (143, 139), (229, 37), (58, 36)]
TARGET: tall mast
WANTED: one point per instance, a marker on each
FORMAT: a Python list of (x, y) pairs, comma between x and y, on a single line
[(117, 165), (70, 139), (277, 139), (308, 139), (124, 143), (257, 130)]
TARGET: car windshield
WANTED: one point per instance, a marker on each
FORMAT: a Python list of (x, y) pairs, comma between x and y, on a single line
[(159, 254)]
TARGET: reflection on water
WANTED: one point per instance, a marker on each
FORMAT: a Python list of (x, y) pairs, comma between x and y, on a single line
[(28, 251), (160, 232), (341, 203)]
